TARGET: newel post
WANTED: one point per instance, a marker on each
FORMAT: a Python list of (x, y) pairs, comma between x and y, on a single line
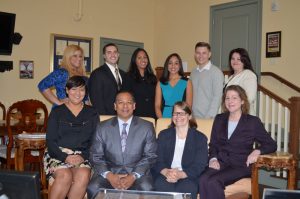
[(294, 126)]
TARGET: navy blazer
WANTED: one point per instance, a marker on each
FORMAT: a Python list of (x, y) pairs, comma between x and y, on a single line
[(234, 151), (195, 153), (103, 89)]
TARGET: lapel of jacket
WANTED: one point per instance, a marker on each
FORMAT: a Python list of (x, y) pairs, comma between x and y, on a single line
[(225, 126), (109, 74), (189, 142), (172, 143), (131, 133), (240, 124), (116, 135)]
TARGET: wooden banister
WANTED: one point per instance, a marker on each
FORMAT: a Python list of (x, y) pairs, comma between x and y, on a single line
[(294, 106), (282, 80), (274, 96), (294, 126)]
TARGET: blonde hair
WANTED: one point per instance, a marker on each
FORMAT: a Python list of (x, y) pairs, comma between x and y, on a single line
[(66, 64)]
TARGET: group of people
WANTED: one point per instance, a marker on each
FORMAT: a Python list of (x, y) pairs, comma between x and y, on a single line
[(123, 152)]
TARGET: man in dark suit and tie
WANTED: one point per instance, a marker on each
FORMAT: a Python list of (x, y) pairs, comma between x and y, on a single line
[(106, 81), (123, 150)]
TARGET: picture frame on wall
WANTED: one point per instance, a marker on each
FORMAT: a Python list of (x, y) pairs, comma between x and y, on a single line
[(59, 43), (273, 44), (26, 69)]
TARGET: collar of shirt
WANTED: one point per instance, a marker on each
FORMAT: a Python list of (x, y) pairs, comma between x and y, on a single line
[(206, 67), (121, 122), (112, 69)]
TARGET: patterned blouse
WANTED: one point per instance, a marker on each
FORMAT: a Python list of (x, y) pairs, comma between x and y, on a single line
[(57, 79)]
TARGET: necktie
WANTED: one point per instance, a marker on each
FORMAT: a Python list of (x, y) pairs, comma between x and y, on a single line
[(123, 137), (118, 78)]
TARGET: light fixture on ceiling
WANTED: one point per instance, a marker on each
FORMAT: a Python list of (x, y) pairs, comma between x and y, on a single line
[(78, 15)]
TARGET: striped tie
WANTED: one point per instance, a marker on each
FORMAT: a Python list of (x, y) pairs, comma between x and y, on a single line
[(123, 137), (118, 78)]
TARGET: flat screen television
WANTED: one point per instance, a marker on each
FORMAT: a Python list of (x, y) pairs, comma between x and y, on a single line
[(19, 185), (281, 194), (7, 27)]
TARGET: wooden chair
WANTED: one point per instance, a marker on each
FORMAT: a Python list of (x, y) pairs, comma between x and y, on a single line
[(23, 116), (205, 126), (3, 111), (2, 122), (2, 134)]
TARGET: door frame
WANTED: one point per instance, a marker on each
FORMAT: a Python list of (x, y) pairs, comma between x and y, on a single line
[(215, 8)]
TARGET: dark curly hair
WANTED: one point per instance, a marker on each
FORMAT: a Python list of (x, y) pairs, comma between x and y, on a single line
[(245, 59)]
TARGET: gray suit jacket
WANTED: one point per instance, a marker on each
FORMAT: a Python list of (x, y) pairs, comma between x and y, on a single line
[(139, 155)]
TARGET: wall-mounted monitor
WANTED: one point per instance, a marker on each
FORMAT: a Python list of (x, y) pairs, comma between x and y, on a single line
[(7, 26), (19, 185)]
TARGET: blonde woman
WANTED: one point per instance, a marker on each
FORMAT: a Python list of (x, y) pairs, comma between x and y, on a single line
[(71, 65)]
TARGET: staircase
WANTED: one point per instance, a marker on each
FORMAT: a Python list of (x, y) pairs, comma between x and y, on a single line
[(281, 114)]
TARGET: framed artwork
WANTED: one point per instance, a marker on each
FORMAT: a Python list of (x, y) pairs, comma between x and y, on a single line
[(59, 43), (26, 69), (273, 44)]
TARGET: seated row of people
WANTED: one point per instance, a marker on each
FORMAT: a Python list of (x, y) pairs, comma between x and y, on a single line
[(124, 154), (202, 92)]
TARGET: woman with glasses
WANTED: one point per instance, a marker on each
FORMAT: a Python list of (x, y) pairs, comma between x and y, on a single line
[(172, 87), (231, 152), (68, 138), (182, 154)]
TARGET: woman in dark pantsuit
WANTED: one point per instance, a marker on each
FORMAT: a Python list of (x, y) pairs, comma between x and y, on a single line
[(182, 154), (231, 150)]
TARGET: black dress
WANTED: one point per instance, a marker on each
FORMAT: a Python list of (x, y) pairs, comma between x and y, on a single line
[(144, 94), (68, 131)]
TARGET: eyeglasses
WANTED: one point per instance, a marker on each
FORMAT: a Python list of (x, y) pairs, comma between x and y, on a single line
[(181, 114)]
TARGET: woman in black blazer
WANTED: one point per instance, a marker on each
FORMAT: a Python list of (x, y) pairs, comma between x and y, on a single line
[(182, 154), (142, 83), (231, 150)]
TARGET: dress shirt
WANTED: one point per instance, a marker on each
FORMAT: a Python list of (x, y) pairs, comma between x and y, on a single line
[(231, 127), (121, 122), (179, 147), (112, 69), (206, 67)]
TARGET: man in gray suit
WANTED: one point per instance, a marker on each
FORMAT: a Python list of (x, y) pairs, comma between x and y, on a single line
[(123, 150)]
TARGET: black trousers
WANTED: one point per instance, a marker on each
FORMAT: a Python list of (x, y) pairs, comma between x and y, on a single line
[(144, 183), (212, 182), (183, 186)]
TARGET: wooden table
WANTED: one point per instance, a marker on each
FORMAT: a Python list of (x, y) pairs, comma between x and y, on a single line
[(278, 160), (23, 144)]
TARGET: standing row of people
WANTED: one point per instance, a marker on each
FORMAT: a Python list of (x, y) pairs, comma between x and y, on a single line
[(202, 92)]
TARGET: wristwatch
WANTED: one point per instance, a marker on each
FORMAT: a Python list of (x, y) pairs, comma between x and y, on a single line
[(136, 175)]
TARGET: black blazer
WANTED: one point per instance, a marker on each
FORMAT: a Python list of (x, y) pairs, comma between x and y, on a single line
[(103, 89), (194, 157), (144, 94), (234, 151)]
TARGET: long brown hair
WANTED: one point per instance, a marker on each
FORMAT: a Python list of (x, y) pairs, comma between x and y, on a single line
[(242, 94), (66, 64)]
